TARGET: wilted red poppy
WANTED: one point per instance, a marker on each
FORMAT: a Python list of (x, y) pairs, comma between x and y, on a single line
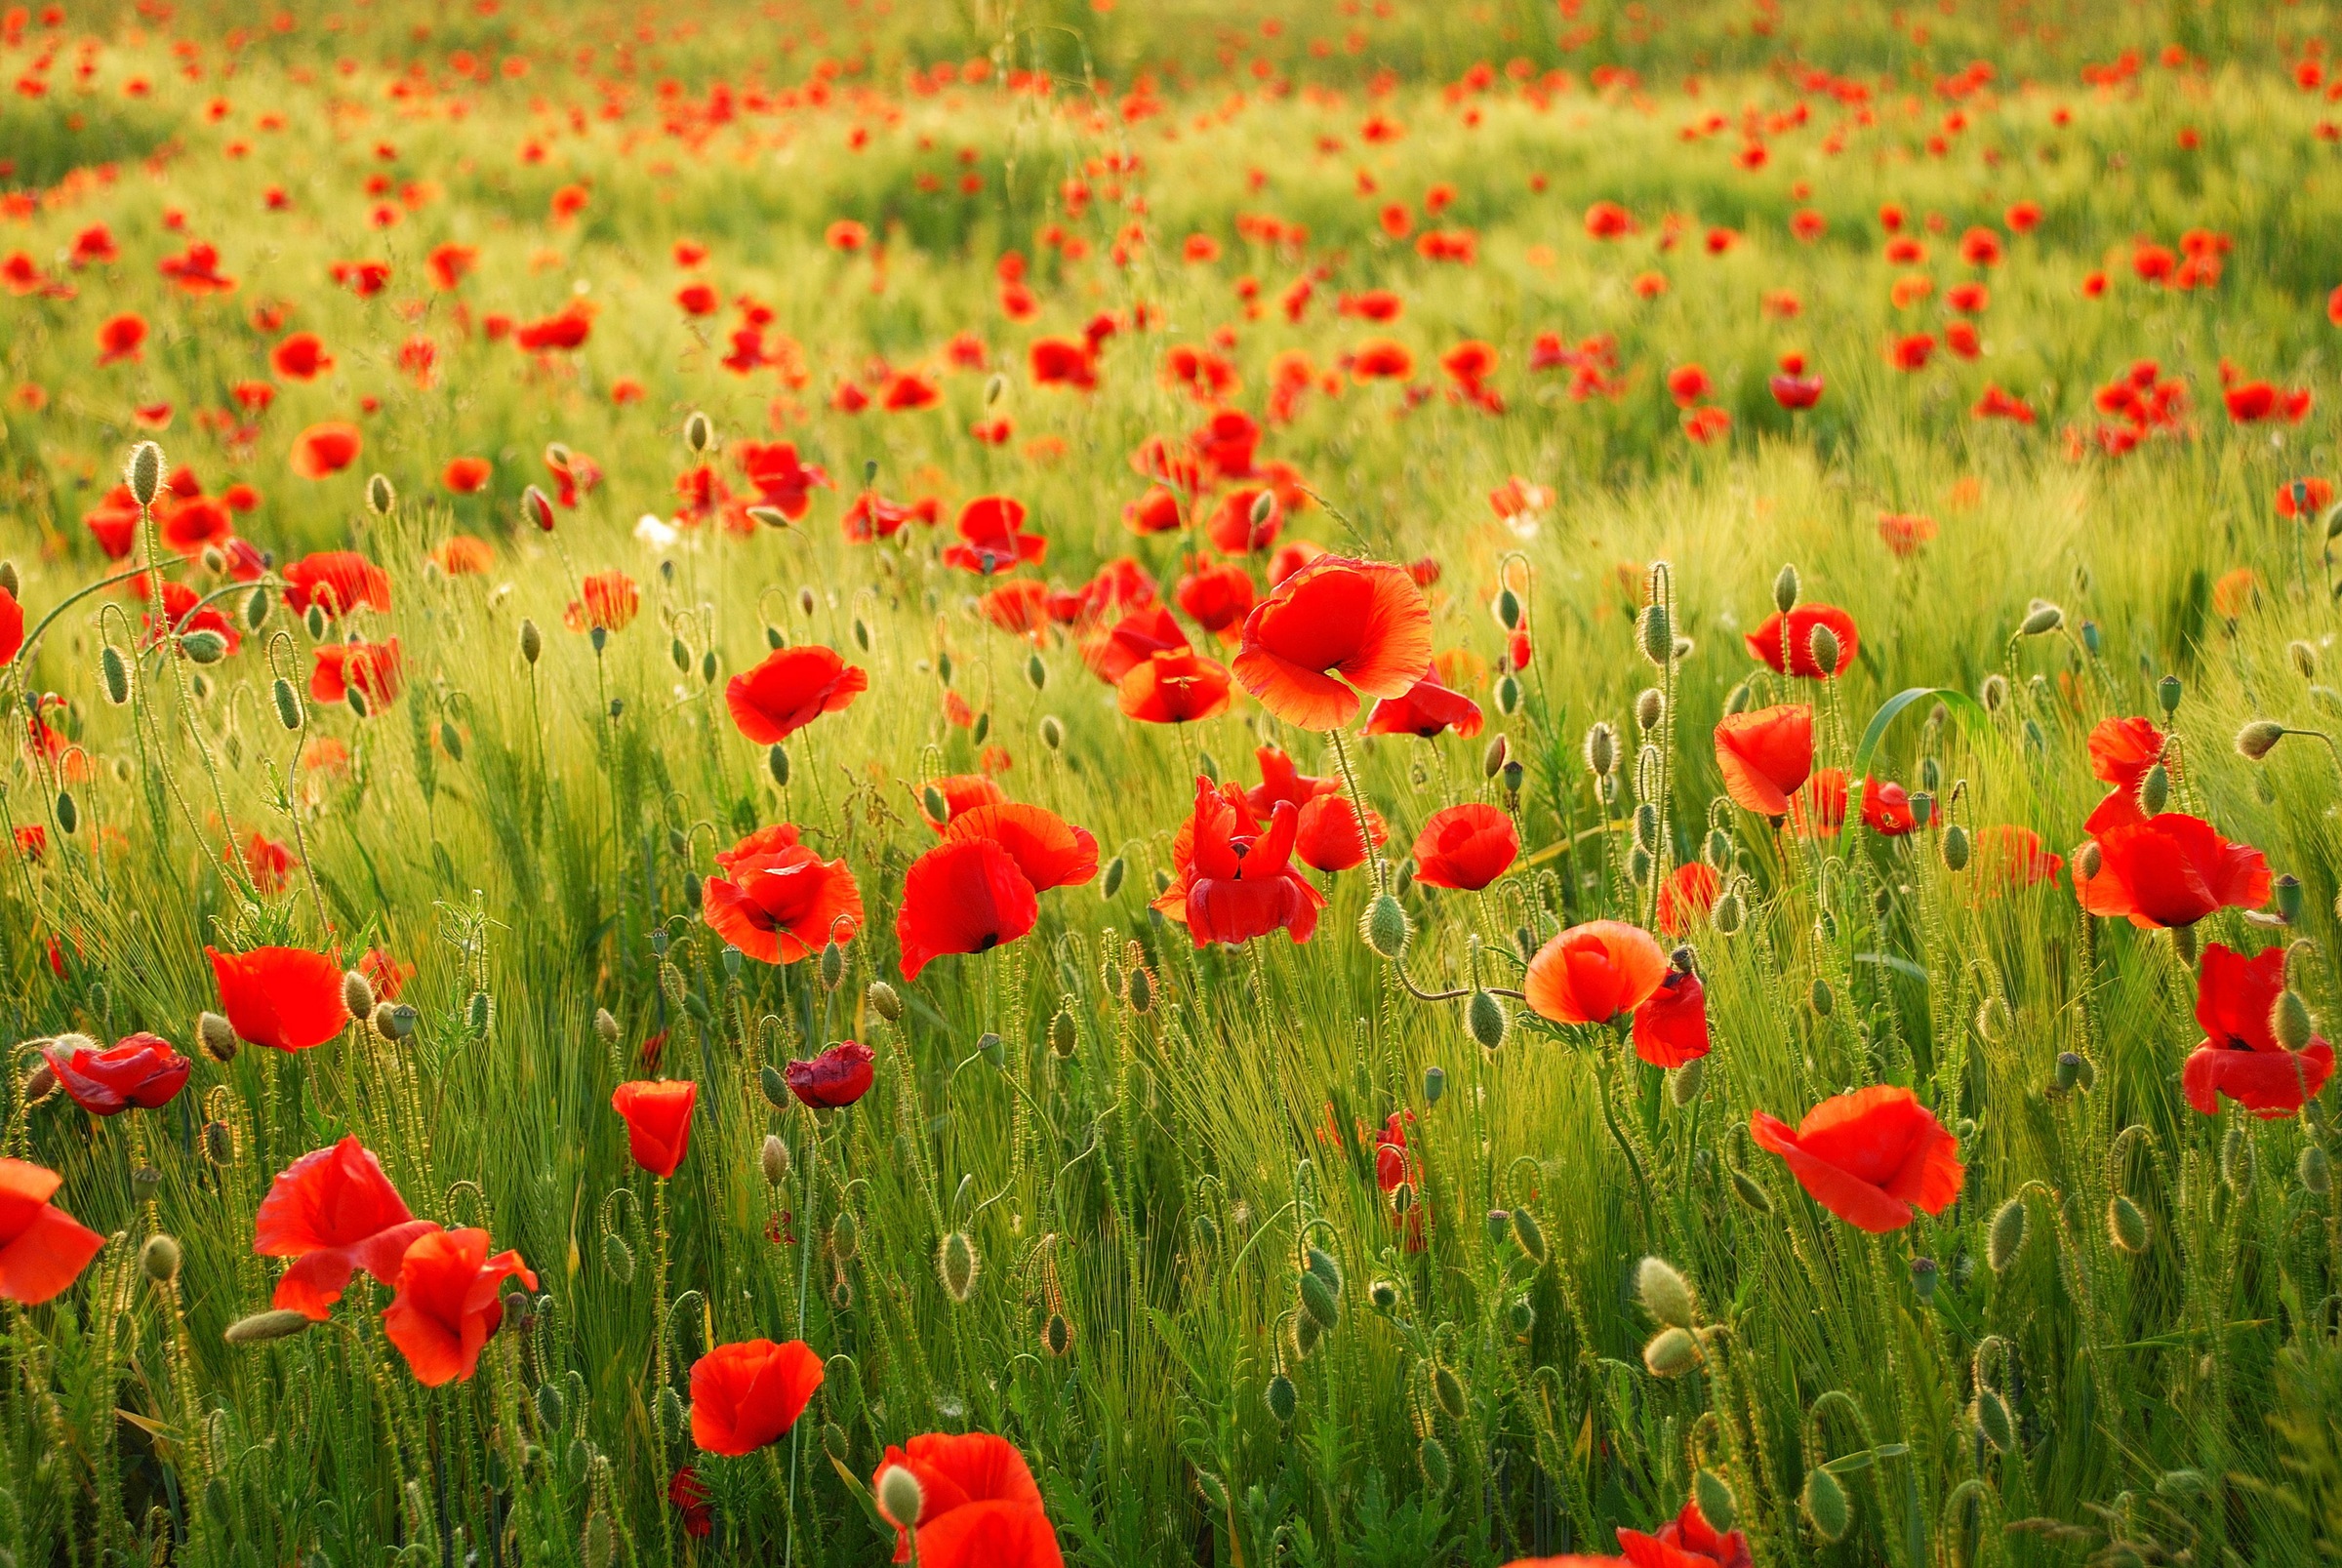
[(1364, 621), (964, 895), (1868, 1157), (1796, 629), (138, 1069), (979, 1505), (1671, 1026), (42, 1248), (325, 449), (1174, 687), (1765, 756), (285, 999), (338, 580), (466, 476), (1466, 847), (2171, 870), (657, 1117), (1425, 709), (609, 600), (790, 689), (835, 1078), (746, 1395), (1689, 892), (1592, 973), (778, 902), (1231, 881), (2241, 1056), (450, 1299), (372, 669), (333, 1212)]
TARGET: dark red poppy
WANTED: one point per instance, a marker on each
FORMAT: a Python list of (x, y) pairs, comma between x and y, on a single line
[(1231, 880), (1868, 1156), (138, 1069), (1687, 895), (979, 1505), (42, 1248), (835, 1078), (1671, 1026), (1050, 852), (1426, 708), (285, 999), (777, 900), (2241, 1056), (1766, 642), (338, 580), (1466, 847), (964, 895), (1363, 621), (746, 1395), (657, 1117), (2171, 870), (1593, 972), (369, 668), (1765, 756), (450, 1299), (333, 1212), (1174, 687), (790, 689)]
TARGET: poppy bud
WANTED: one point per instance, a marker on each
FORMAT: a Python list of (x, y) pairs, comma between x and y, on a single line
[(1053, 731), (145, 472), (1823, 645), (2126, 1226), (1507, 694), (357, 994), (205, 645), (1647, 827), (2304, 657), (262, 1327), (1670, 1354), (2315, 1170), (774, 1158), (1651, 707), (1214, 1489), (1318, 1301), (68, 814), (1508, 608), (1263, 506), (2290, 1020), (932, 800), (532, 641), (599, 638), (1601, 749), (995, 387), (1064, 1037), (605, 1026), (2237, 1162), (1492, 760), (40, 1083), (1402, 1197), (1111, 883), (1785, 590), (537, 508), (2068, 1071), (670, 1407), (1435, 1085), (1991, 1414), (774, 638), (1683, 1085), (598, 1546), (1521, 1317), (1431, 1458), (1512, 775), (2287, 893), (776, 763), (768, 517), (1036, 673), (1822, 997), (618, 1257), (2259, 738), (1727, 913), (1141, 990), (1717, 1504), (956, 1264), (1665, 1294), (2086, 860), (2042, 620), (381, 497), (218, 1036), (1386, 927), (1955, 847), (2004, 1238), (1924, 1273), (1448, 1390), (1208, 766), (551, 1407), (1487, 1019), (481, 1011), (393, 1021), (115, 670), (1528, 1235), (144, 1183), (833, 966), (774, 1086), (883, 1000), (699, 432), (1823, 1500), (1281, 1398), (845, 1236), (10, 582), (1657, 633)]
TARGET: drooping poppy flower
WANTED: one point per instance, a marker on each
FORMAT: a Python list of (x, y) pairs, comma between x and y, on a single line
[(449, 1302), (140, 1069), (1868, 1156), (2241, 1056), (1326, 838), (334, 1212), (338, 580), (1687, 1541), (42, 1248), (285, 998), (657, 1117), (1671, 1026), (1231, 880), (1466, 847), (1176, 686), (1426, 709), (1051, 852), (992, 539), (778, 901), (791, 688), (2121, 752), (746, 1395), (1689, 892), (979, 1505), (835, 1078), (1364, 621), (369, 668), (1592, 973), (1766, 642), (326, 449), (607, 600), (2171, 870), (1765, 756), (964, 895)]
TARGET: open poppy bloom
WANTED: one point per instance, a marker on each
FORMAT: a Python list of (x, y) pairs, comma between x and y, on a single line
[(1592, 973), (1687, 1541), (782, 481), (657, 1117), (837, 1078), (979, 1505), (2171, 870), (2121, 752), (1129, 642), (1365, 623), (1671, 1026), (777, 900), (339, 581), (333, 1212), (43, 1249), (1689, 892), (746, 1395), (1868, 1157), (791, 688), (369, 668), (609, 600), (1886, 809), (992, 538), (1425, 709), (1231, 880), (1797, 628), (449, 1302), (1050, 852), (1466, 847), (324, 450), (1326, 838), (1765, 756), (2241, 1056), (140, 1069), (285, 998), (1176, 686), (964, 895)]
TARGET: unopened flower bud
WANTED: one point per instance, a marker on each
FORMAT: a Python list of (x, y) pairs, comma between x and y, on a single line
[(1601, 749), (699, 432), (2125, 1225), (1386, 927), (1670, 1354), (956, 1264), (1656, 633), (1485, 1017), (1664, 1292), (532, 641), (2290, 1020), (900, 1497), (883, 1000), (357, 994), (381, 497), (2259, 738), (145, 472), (262, 1327), (216, 1035), (2042, 620), (2004, 1238), (159, 1258), (1785, 590), (1824, 646)]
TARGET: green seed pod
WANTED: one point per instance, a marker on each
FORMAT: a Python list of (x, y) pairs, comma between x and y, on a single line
[(1318, 1301), (1925, 1274), (2258, 739), (551, 1407), (1640, 866), (678, 655), (1656, 631), (1823, 999), (144, 1183), (160, 1259), (1384, 1295), (845, 1236), (68, 815), (1485, 1017), (451, 742), (532, 641), (1785, 589), (262, 1327), (1826, 1506), (114, 670), (883, 1000), (2125, 1226), (204, 646), (2290, 1022), (2068, 1071), (1435, 1084), (1495, 756), (2004, 1238), (1448, 1390), (1717, 1504), (1431, 1458), (394, 1021), (774, 1159), (1281, 1398), (144, 474), (1065, 1035), (2237, 1161), (1386, 927), (359, 703), (1989, 1412), (1528, 1235), (1955, 847), (2315, 1171), (1744, 1189), (2287, 892), (1683, 1085), (1111, 883), (618, 1258), (984, 728), (1670, 1354), (2167, 692), (956, 1264), (1664, 1292)]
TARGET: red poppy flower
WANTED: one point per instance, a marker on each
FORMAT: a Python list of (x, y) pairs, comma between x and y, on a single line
[(285, 999), (180, 611), (1766, 642), (2241, 1056), (964, 895), (1793, 393), (302, 357), (466, 476), (782, 481), (657, 1117), (960, 791), (2008, 857), (1155, 513), (1466, 847), (339, 581), (1765, 756), (979, 1505), (1281, 780), (2121, 752), (1425, 709), (1887, 808), (140, 1069), (1063, 362), (1117, 651), (12, 626), (746, 1395), (1363, 621), (1231, 881), (371, 668), (1592, 973), (326, 449), (2171, 870), (1174, 687), (1216, 596), (1684, 1542), (1868, 1157), (333, 1212), (464, 556), (561, 332), (42, 1248), (1381, 359), (1671, 1026), (1819, 810), (1325, 835), (790, 689), (1051, 852), (121, 337), (449, 1302), (992, 535), (778, 902), (609, 600), (837, 1077)]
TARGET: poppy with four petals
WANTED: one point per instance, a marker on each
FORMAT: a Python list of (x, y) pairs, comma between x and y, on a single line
[(333, 1212)]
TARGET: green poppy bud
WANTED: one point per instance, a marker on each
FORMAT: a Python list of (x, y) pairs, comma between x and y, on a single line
[(1664, 1292), (2004, 1238), (1825, 1505), (1670, 1354), (2125, 1225), (1448, 1390), (956, 1264), (1785, 590), (144, 474), (262, 1327), (1487, 1019), (1717, 1504), (1386, 927), (1431, 1458)]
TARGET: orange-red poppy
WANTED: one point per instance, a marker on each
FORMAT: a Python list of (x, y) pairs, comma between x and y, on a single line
[(334, 1212), (449, 1302), (1363, 621), (1050, 852), (1232, 880), (1426, 708), (1870, 1157), (42, 1248), (1671, 1026), (791, 688), (466, 476), (657, 1117), (979, 1505), (777, 900), (140, 1069), (337, 580), (325, 449), (746, 1395), (964, 895), (1593, 972), (373, 669), (1765, 756), (285, 998), (1785, 642), (2171, 869), (1466, 847), (2241, 1056), (608, 600), (1174, 686), (300, 357)]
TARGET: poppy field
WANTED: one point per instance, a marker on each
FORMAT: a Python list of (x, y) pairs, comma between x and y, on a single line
[(997, 786)]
